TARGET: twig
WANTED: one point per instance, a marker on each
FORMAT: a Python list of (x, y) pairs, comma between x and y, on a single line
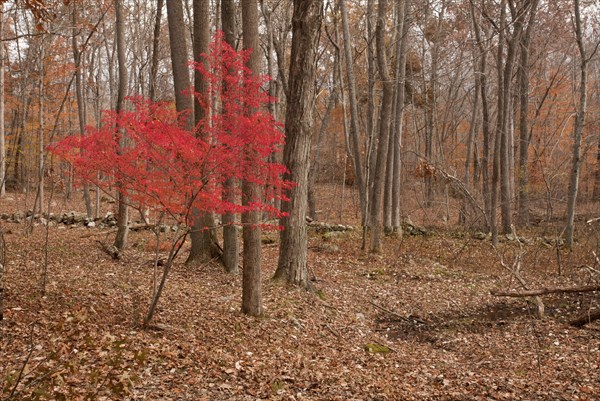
[(515, 271), (390, 312), (335, 333), (12, 393)]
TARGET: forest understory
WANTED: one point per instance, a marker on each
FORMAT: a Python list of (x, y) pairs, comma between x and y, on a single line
[(416, 322)]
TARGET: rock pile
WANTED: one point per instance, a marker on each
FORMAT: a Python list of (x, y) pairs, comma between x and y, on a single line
[(71, 218)]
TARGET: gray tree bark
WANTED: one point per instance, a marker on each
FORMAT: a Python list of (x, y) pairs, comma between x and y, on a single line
[(384, 130), (230, 230), (578, 128), (481, 76), (203, 233), (401, 47), (2, 135), (155, 45), (179, 61), (80, 104), (251, 192), (306, 26), (354, 116), (123, 210), (523, 168), (496, 173)]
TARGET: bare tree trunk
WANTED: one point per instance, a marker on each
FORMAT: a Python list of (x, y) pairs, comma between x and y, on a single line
[(577, 129), (39, 205), (179, 61), (80, 106), (314, 165), (155, 43), (306, 26), (473, 128), (251, 192), (499, 118), (354, 116), (2, 136), (504, 113), (201, 244), (123, 210), (384, 130), (596, 196), (403, 27), (230, 231), (523, 171), (371, 118), (485, 117)]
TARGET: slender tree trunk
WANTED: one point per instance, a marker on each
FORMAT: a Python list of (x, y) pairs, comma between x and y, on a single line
[(201, 244), (2, 136), (155, 44), (473, 127), (401, 48), (79, 95), (499, 118), (123, 210), (306, 26), (314, 165), (523, 171), (371, 118), (179, 61), (354, 116), (384, 130), (230, 230), (251, 192), (40, 195), (596, 196), (203, 234), (578, 129), (505, 124), (481, 76)]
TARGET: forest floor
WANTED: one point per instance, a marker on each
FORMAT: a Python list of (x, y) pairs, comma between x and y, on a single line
[(416, 322)]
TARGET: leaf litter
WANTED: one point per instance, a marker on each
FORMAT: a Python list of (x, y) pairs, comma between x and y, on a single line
[(410, 324)]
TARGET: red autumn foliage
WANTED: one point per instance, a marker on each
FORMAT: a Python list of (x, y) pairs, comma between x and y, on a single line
[(164, 167)]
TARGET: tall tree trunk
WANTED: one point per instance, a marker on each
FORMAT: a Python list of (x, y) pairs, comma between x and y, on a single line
[(384, 130), (499, 118), (179, 61), (473, 128), (504, 113), (155, 44), (314, 165), (39, 204), (203, 234), (401, 47), (399, 116), (354, 116), (523, 169), (485, 119), (79, 95), (577, 129), (123, 210), (230, 231), (251, 192), (371, 119), (2, 136), (596, 195), (200, 250), (306, 27)]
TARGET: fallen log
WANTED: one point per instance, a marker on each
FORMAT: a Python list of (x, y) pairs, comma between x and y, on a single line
[(544, 291), (585, 319)]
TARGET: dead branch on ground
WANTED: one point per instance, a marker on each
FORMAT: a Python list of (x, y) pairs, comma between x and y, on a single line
[(544, 291)]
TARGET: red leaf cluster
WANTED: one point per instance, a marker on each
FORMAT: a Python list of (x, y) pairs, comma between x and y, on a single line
[(146, 150)]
